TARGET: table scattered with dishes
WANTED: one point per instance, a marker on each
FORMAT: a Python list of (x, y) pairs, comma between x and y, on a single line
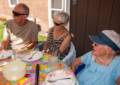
[(20, 69)]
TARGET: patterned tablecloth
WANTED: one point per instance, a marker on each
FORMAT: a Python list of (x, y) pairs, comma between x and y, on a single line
[(45, 68)]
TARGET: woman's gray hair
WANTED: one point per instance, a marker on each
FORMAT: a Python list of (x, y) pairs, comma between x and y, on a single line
[(64, 17)]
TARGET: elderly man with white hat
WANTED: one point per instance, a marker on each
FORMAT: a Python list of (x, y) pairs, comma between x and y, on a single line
[(102, 64)]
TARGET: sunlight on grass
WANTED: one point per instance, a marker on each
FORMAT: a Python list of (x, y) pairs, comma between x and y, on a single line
[(1, 30), (42, 38)]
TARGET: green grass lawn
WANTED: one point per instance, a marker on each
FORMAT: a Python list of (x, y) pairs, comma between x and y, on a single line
[(41, 38), (1, 30)]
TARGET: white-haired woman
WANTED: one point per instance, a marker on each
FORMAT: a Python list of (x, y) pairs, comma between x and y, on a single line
[(59, 38), (102, 64)]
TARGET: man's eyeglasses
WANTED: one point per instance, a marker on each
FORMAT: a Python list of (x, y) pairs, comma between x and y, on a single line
[(18, 14)]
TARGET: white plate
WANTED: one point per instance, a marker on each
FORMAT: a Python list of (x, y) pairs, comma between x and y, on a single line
[(5, 54), (60, 77), (3, 63), (35, 55)]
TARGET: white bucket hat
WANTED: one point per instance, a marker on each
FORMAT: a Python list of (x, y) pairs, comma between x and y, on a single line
[(108, 37)]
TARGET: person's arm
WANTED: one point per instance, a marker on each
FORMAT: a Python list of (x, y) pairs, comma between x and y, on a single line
[(76, 63), (117, 69), (118, 81), (84, 59), (45, 46), (65, 44), (31, 44)]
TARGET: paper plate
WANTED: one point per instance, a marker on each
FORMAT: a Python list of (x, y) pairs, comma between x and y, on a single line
[(5, 54), (60, 77), (34, 56)]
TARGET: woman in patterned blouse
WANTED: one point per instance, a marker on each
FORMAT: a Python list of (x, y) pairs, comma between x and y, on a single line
[(59, 38)]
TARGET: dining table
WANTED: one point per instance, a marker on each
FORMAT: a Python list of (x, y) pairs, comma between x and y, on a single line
[(45, 70)]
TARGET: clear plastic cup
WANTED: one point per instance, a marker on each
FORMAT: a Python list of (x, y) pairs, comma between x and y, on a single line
[(54, 63)]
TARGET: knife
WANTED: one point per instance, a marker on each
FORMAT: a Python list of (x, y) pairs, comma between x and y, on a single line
[(37, 75)]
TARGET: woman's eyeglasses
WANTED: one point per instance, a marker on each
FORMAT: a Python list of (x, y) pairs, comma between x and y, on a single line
[(57, 23), (95, 44), (18, 14)]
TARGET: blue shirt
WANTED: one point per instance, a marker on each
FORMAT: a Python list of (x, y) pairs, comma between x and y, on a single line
[(96, 74)]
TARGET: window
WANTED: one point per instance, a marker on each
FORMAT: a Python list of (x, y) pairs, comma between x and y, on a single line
[(12, 3), (57, 5)]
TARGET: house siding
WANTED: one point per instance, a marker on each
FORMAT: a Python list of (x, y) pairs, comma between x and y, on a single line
[(38, 10)]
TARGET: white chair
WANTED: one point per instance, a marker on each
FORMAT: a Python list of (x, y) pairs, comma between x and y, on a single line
[(70, 56)]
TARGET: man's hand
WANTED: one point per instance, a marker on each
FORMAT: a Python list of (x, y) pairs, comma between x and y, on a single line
[(29, 45)]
